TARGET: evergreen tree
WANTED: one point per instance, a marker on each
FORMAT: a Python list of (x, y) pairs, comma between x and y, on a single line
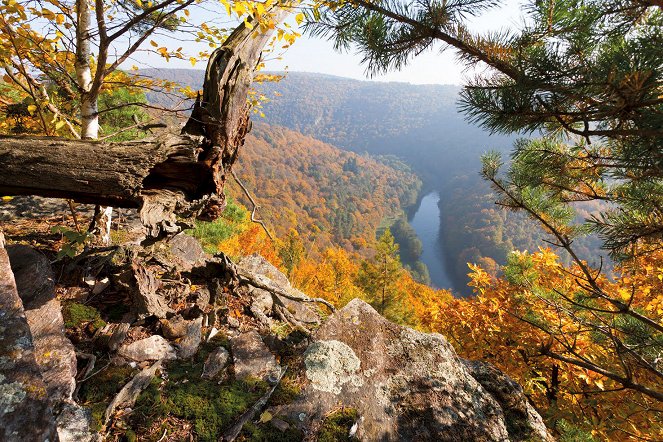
[(379, 275)]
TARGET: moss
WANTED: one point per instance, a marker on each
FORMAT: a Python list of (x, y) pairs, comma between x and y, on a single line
[(130, 436), (286, 392), (336, 426), (103, 386), (77, 315), (211, 408), (265, 432), (97, 412)]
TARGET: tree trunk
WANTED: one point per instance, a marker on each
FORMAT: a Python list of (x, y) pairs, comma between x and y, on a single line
[(174, 174)]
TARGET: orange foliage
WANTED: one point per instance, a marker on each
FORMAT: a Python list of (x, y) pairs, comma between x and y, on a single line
[(515, 319)]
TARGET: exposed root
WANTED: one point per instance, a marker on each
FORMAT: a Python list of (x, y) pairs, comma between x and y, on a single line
[(255, 282)]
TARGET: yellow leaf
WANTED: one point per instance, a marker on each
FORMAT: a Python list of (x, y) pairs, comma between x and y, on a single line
[(186, 12), (7, 198), (32, 108), (248, 25), (299, 18), (154, 43), (59, 125), (193, 60), (265, 417), (59, 19)]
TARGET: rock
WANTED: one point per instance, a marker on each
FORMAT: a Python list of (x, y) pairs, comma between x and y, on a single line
[(261, 300), (233, 322), (25, 411), (405, 385), (54, 353), (252, 358), (187, 250), (129, 393), (257, 265), (279, 424), (215, 362), (270, 276), (74, 424), (174, 328), (118, 336), (188, 346), (522, 420), (148, 349)]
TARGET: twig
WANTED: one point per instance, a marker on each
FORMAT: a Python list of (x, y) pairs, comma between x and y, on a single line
[(233, 432), (73, 215), (164, 435), (255, 206)]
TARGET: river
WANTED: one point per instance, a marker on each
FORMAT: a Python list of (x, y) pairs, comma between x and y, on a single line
[(426, 222)]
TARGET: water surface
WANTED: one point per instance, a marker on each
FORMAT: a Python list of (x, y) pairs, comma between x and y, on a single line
[(426, 222)]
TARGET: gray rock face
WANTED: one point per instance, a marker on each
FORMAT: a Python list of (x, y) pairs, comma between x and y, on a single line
[(270, 276), (187, 250), (522, 420), (74, 424), (215, 362), (25, 412), (252, 358), (188, 346), (54, 353), (405, 385), (148, 349)]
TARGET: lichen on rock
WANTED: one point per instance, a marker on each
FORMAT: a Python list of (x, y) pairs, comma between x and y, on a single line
[(330, 365), (11, 394)]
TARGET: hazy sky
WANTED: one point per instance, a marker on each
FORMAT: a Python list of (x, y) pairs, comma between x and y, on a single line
[(432, 67), (316, 55)]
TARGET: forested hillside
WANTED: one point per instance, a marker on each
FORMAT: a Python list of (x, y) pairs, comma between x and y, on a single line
[(330, 196), (421, 125)]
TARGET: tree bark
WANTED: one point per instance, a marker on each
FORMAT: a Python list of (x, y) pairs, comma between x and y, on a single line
[(173, 175)]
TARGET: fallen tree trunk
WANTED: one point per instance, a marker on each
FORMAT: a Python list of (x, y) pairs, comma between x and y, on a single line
[(172, 175)]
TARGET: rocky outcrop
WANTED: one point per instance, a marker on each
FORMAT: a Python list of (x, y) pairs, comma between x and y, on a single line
[(272, 278), (55, 353), (252, 358), (25, 411), (405, 385)]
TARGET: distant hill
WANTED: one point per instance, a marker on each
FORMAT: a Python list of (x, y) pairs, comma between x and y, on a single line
[(421, 125), (418, 123)]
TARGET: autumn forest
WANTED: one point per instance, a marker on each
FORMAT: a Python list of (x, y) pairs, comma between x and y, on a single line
[(548, 166)]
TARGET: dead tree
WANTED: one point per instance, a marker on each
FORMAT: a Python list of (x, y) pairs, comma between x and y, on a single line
[(175, 174)]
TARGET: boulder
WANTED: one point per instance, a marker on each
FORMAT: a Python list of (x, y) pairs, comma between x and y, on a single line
[(187, 251), (25, 411), (174, 328), (54, 353), (188, 345), (271, 277), (75, 424), (215, 362), (149, 349), (252, 358), (522, 420), (405, 385)]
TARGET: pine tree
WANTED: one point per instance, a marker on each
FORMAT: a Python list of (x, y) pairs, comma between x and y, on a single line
[(586, 75), (379, 275)]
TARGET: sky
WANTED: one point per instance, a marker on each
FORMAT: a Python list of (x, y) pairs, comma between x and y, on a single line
[(432, 67), (317, 55)]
